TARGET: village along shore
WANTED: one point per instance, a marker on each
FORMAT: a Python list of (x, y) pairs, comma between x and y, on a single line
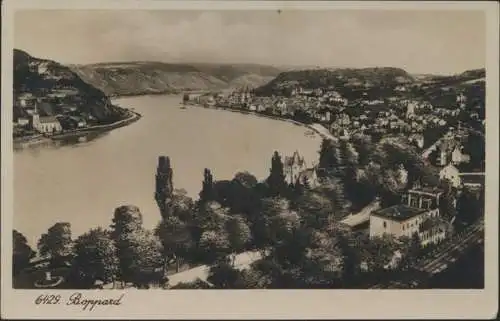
[(46, 139)]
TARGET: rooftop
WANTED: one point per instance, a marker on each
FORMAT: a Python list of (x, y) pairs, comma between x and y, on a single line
[(431, 191), (48, 119), (399, 212)]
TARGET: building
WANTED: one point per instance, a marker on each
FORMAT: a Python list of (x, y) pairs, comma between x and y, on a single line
[(423, 197), (79, 122), (452, 174), (293, 166), (398, 220), (458, 157), (461, 100), (402, 174), (281, 107), (26, 100), (343, 134), (417, 139), (418, 213), (444, 148), (46, 124), (309, 178), (410, 109), (21, 121)]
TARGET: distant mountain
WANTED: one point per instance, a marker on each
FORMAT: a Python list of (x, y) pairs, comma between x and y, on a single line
[(42, 77), (338, 77), (466, 76), (137, 78), (442, 90)]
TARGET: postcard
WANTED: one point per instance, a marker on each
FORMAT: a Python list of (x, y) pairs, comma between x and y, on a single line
[(249, 159)]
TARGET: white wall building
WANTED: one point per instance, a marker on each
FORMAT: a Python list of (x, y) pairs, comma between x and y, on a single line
[(419, 214), (452, 174)]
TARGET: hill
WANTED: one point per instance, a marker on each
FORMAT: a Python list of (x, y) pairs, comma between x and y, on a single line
[(441, 91), (468, 76), (43, 78), (338, 78), (138, 78)]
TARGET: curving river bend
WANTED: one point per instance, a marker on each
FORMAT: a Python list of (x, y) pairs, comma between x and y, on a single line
[(83, 183)]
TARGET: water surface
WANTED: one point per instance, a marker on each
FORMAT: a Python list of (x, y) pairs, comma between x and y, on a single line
[(83, 183)]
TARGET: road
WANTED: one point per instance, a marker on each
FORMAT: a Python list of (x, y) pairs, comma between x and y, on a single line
[(322, 130), (242, 261), (362, 216)]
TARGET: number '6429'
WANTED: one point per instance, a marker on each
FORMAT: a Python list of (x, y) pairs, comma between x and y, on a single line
[(48, 299)]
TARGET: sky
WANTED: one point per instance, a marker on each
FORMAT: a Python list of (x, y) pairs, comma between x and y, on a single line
[(439, 42)]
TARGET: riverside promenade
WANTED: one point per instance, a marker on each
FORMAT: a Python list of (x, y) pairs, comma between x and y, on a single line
[(133, 117), (41, 139), (316, 127)]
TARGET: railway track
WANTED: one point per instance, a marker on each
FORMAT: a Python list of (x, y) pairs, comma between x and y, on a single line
[(448, 253)]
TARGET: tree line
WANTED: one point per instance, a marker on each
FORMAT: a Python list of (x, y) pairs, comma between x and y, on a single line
[(293, 226)]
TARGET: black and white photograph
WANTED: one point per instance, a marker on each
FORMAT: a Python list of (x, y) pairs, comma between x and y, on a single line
[(247, 149)]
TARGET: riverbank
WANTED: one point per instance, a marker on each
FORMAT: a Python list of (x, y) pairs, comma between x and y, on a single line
[(315, 127), (30, 141), (40, 139), (133, 117)]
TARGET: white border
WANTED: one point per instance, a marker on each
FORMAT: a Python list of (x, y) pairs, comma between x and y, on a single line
[(282, 304)]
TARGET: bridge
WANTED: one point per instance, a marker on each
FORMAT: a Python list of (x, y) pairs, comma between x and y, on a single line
[(442, 257)]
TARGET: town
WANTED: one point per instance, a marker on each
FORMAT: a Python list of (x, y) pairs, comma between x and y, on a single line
[(399, 184), (50, 102)]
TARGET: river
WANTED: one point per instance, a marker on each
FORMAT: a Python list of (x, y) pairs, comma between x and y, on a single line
[(83, 183)]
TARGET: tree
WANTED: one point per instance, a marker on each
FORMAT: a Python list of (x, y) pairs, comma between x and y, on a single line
[(351, 260), (468, 207), (334, 190), (364, 146), (145, 258), (196, 284), (276, 220), (164, 185), (57, 242), (224, 276), (246, 179), (176, 239), (215, 245), (391, 153), (242, 195), (327, 157), (412, 251), (475, 146), (276, 180), (305, 258), (377, 252), (127, 221), (316, 209), (207, 191), (323, 264), (448, 201), (21, 252), (95, 258), (350, 157), (211, 216), (181, 206), (238, 234)]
